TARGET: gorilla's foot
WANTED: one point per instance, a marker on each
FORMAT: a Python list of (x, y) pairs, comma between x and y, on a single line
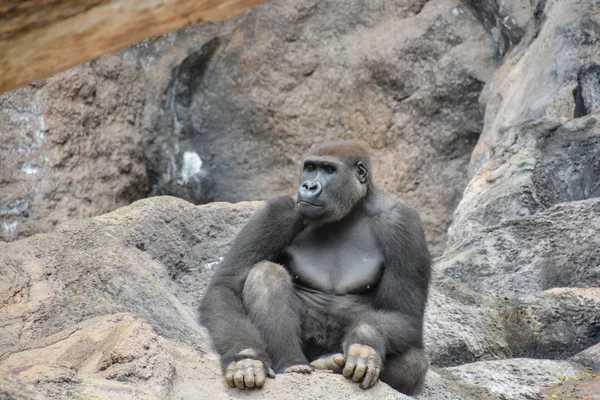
[(332, 362), (247, 374), (298, 369), (363, 365)]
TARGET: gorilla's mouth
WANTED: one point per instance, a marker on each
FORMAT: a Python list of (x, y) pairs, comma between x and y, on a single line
[(304, 202)]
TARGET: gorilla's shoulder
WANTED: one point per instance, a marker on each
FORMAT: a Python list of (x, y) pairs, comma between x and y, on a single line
[(281, 203), (390, 208)]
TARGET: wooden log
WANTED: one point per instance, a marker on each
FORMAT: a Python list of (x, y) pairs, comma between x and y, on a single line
[(39, 38)]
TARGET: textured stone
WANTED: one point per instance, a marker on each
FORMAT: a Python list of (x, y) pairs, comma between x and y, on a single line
[(226, 111), (515, 379), (556, 323), (519, 257), (561, 44), (536, 165), (153, 260)]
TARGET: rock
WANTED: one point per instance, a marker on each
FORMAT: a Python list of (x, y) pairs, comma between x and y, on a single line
[(514, 379), (584, 387), (152, 261), (506, 20), (263, 89), (536, 165), (11, 388), (587, 99), (120, 355), (590, 357), (102, 354), (556, 324), (71, 148), (103, 266), (462, 326), (558, 52), (213, 108), (556, 248)]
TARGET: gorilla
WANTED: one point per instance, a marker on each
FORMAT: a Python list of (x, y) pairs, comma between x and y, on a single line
[(336, 279)]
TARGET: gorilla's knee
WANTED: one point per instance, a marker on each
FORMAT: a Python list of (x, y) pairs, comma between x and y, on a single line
[(265, 280), (406, 372)]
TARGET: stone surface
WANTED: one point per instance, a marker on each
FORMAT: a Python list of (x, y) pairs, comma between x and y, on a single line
[(561, 46), (103, 266), (225, 112), (515, 379), (536, 165), (152, 260), (403, 76), (556, 248), (71, 148), (589, 357), (119, 356), (556, 324), (462, 326), (12, 388)]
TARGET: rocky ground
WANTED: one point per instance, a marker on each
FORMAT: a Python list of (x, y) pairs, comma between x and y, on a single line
[(106, 307)]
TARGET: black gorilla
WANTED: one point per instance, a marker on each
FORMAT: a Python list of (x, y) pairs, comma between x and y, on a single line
[(336, 279)]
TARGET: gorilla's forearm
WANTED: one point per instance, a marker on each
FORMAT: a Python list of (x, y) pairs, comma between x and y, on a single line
[(386, 332), (232, 333)]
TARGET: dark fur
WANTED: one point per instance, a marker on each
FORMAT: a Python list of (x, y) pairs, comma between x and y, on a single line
[(250, 302)]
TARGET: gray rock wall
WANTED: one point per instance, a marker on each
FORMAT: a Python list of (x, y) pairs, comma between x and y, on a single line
[(225, 112)]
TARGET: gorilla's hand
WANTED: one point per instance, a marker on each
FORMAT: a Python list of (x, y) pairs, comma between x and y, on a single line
[(362, 362), (247, 373), (333, 362)]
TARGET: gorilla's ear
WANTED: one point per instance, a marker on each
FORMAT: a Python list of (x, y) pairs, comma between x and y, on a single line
[(363, 174)]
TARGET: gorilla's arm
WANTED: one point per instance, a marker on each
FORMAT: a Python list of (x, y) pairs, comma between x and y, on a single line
[(396, 323), (264, 237)]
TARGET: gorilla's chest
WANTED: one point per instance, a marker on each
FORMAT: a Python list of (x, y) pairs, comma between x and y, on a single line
[(338, 261)]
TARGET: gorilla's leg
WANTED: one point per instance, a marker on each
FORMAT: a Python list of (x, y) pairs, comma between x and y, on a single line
[(406, 372), (273, 308)]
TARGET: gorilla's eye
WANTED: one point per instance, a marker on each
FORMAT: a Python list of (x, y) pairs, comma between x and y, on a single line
[(329, 169), (310, 168)]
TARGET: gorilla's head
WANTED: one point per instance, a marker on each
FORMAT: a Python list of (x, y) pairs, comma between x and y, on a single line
[(334, 178)]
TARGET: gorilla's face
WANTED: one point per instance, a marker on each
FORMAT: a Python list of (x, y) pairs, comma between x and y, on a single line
[(329, 188)]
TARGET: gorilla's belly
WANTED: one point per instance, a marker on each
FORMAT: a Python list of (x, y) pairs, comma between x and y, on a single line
[(331, 303)]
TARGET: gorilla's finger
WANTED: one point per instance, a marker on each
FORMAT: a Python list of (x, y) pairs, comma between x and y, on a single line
[(306, 369), (229, 379), (320, 363), (349, 367), (271, 373), (338, 359), (359, 372), (370, 378), (259, 378), (249, 380), (238, 379)]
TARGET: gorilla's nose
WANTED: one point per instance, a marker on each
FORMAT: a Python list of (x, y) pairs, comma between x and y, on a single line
[(311, 189)]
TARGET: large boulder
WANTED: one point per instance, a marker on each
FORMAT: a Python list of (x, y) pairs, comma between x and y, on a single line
[(556, 323), (553, 73), (515, 379), (535, 165), (556, 248), (71, 148), (75, 299), (225, 111)]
